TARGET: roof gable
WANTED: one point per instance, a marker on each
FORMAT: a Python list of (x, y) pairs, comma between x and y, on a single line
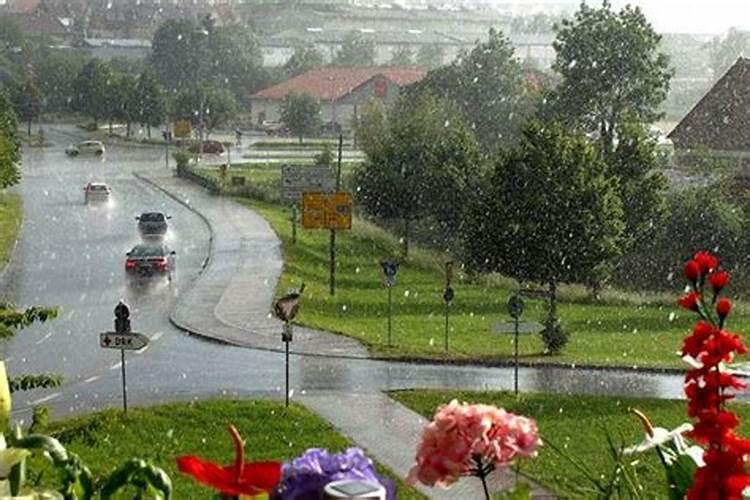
[(331, 84), (721, 119)]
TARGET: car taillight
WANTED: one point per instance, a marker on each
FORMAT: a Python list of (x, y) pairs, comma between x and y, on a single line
[(130, 264), (162, 264)]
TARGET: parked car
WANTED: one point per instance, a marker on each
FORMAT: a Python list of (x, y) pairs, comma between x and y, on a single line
[(274, 128), (96, 191), (152, 223), (150, 259), (210, 147), (85, 148)]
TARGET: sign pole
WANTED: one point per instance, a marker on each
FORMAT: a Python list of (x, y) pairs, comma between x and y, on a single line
[(286, 336), (447, 309), (515, 355), (166, 154), (389, 315), (294, 223), (124, 383), (448, 297), (333, 231)]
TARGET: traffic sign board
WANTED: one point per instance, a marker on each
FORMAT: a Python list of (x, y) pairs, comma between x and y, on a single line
[(297, 179), (128, 341), (182, 129), (339, 211), (525, 327), (314, 210)]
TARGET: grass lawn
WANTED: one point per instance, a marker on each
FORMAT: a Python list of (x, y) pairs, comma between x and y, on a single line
[(579, 425), (623, 330), (105, 440), (11, 214)]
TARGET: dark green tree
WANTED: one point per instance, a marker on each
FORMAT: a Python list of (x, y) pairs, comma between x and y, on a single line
[(422, 163), (723, 52), (612, 71), (218, 105), (91, 90), (235, 60), (301, 114), (176, 53), (150, 103), (27, 101), (486, 86), (430, 56), (55, 74), (548, 214), (403, 56), (302, 60), (355, 51), (10, 146)]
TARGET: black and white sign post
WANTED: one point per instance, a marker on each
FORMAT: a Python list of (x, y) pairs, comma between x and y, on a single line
[(286, 337), (448, 297), (390, 269), (515, 308), (286, 309), (123, 339)]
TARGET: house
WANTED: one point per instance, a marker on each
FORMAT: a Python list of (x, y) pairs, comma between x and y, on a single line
[(128, 48), (717, 129), (341, 91)]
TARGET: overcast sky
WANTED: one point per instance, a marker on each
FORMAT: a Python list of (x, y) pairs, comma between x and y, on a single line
[(685, 16)]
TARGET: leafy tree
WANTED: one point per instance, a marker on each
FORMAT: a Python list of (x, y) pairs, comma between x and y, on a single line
[(235, 59), (10, 147), (371, 126), (548, 214), (301, 114), (403, 56), (612, 71), (150, 103), (175, 55), (91, 90), (422, 164), (218, 104), (724, 52), (55, 74), (486, 86), (430, 56), (355, 51), (303, 59), (27, 101)]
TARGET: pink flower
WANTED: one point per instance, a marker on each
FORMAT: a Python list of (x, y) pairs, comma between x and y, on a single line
[(465, 439)]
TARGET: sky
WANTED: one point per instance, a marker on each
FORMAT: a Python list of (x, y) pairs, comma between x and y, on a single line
[(683, 16)]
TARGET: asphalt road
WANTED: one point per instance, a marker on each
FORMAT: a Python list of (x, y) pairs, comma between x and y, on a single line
[(72, 255)]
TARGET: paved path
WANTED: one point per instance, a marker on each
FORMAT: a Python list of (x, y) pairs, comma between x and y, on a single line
[(231, 301)]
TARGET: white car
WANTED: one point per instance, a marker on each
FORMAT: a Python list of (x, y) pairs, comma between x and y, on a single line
[(96, 191), (85, 147)]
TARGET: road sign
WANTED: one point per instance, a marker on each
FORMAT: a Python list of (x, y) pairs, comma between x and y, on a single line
[(314, 210), (339, 211), (524, 327), (515, 306), (298, 179), (183, 129), (128, 341)]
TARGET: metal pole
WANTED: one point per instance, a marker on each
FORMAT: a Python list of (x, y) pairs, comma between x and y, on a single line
[(389, 316), (515, 355), (166, 155), (447, 309), (286, 392), (294, 223), (124, 383), (333, 231)]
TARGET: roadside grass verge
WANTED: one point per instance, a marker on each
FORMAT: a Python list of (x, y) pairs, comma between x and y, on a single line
[(578, 425), (305, 145), (105, 440), (633, 330), (11, 214)]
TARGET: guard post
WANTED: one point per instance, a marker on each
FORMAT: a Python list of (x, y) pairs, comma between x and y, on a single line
[(286, 337), (448, 296), (122, 326), (390, 269), (515, 309)]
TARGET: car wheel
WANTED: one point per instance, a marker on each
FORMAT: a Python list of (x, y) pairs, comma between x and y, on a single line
[(99, 153), (73, 153)]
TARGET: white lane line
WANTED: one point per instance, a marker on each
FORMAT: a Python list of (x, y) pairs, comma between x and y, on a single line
[(156, 336), (115, 366), (46, 398), (46, 337), (91, 379), (141, 351)]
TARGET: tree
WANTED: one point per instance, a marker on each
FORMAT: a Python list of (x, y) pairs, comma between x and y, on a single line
[(236, 59), (174, 55), (355, 51), (423, 163), (10, 146), (150, 104), (302, 60), (218, 105), (724, 52), (91, 90), (612, 71), (27, 101), (548, 214), (402, 56), (55, 74), (486, 86), (301, 114), (430, 56)]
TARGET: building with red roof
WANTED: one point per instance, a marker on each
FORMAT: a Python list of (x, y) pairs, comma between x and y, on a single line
[(341, 91)]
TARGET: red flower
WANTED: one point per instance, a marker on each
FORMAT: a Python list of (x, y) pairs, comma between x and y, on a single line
[(689, 301), (692, 271), (723, 308), (706, 261), (240, 478), (718, 280)]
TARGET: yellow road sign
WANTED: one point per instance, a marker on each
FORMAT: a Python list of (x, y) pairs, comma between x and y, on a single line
[(327, 211), (314, 210), (182, 129)]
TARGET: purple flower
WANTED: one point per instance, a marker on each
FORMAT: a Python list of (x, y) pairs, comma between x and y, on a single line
[(305, 477)]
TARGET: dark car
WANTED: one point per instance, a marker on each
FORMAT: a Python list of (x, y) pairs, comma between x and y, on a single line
[(209, 147), (152, 223), (148, 259)]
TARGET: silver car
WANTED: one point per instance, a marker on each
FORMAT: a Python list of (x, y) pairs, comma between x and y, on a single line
[(96, 191), (85, 148)]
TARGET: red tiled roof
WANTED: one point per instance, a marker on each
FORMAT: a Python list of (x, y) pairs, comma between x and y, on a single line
[(23, 5), (331, 84)]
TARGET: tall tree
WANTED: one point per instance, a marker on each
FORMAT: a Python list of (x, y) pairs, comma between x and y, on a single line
[(548, 214), (612, 71), (212, 104), (303, 59), (301, 114), (487, 87), (175, 53), (355, 51), (236, 59), (430, 56), (723, 52), (10, 147), (150, 104), (91, 90), (422, 163), (27, 101), (55, 74)]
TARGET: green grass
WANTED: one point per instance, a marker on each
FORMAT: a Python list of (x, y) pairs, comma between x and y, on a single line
[(11, 214), (107, 439), (579, 425), (295, 144), (625, 330)]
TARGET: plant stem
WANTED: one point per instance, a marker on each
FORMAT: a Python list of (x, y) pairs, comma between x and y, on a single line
[(482, 476)]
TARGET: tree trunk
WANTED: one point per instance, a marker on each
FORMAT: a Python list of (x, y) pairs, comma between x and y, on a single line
[(148, 131), (300, 139), (127, 129), (110, 127), (28, 127), (552, 314), (405, 247)]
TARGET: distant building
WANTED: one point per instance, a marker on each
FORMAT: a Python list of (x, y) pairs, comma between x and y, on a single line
[(128, 48), (717, 129), (341, 91)]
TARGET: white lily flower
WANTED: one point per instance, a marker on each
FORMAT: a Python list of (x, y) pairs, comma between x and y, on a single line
[(10, 457), (661, 436)]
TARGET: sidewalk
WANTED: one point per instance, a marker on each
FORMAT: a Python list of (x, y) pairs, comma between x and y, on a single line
[(231, 301)]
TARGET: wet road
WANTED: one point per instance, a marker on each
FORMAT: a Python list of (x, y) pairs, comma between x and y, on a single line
[(71, 254)]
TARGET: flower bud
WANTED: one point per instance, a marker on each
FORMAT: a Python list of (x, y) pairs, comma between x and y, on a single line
[(706, 261), (692, 271), (718, 280), (689, 301), (723, 308)]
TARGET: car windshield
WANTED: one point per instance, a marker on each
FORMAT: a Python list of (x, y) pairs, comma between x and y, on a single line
[(147, 251), (97, 187), (152, 217)]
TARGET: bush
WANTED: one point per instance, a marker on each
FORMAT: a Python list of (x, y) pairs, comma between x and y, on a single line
[(554, 336)]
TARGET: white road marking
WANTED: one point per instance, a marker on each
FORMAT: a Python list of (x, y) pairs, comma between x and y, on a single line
[(46, 398), (46, 337), (91, 379), (141, 351), (115, 366), (156, 336)]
